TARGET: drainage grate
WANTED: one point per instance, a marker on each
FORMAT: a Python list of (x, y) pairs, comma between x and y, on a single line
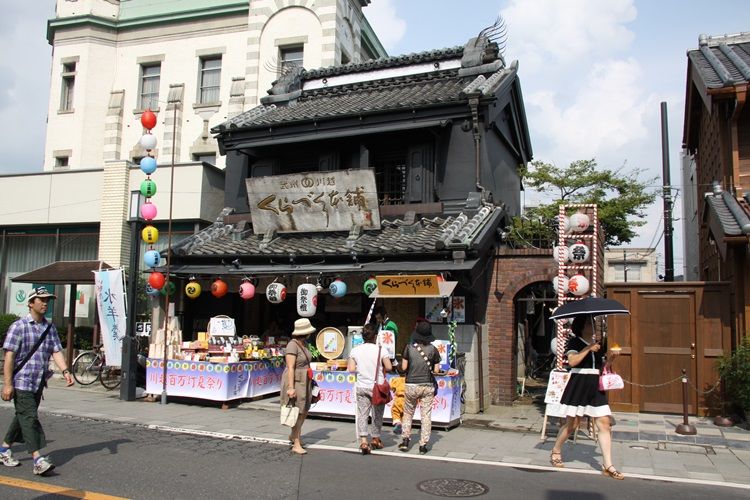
[(452, 488), (701, 449)]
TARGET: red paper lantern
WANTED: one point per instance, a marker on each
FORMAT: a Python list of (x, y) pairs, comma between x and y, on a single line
[(156, 280), (148, 119), (219, 288)]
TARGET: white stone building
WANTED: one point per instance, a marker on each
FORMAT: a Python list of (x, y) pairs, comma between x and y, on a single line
[(195, 63), (630, 264)]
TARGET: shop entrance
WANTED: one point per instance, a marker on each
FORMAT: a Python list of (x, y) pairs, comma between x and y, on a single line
[(535, 332)]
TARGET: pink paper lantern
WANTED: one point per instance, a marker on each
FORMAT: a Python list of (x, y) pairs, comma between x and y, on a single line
[(247, 290), (148, 211)]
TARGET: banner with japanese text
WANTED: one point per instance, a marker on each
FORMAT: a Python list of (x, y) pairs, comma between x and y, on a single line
[(110, 302)]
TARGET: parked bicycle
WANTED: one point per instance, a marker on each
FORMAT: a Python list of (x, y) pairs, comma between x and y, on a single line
[(90, 366)]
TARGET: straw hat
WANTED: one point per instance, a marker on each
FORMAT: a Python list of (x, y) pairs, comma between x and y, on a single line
[(302, 327)]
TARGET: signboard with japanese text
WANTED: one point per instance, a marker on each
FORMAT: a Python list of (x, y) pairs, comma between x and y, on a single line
[(338, 397), (417, 285), (110, 301), (215, 381), (313, 201)]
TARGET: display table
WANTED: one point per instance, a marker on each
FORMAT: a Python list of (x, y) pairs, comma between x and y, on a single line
[(215, 381), (338, 398)]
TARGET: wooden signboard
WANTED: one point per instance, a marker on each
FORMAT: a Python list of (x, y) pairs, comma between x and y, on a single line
[(418, 285), (313, 201)]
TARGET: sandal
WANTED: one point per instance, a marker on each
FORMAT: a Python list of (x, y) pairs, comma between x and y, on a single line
[(555, 459), (376, 444), (364, 448), (612, 472)]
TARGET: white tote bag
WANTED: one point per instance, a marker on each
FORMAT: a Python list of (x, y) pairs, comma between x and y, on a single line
[(289, 415)]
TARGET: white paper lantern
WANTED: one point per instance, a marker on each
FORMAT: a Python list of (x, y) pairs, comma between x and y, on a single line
[(148, 141), (307, 300), (563, 224), (275, 293), (579, 222), (578, 285), (565, 285), (579, 252), (560, 253)]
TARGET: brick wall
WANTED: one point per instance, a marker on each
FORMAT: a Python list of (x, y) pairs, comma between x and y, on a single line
[(512, 271)]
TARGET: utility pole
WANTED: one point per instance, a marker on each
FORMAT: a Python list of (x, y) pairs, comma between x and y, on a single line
[(625, 264), (667, 196)]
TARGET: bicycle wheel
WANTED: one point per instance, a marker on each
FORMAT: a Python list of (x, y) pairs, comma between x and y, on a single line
[(86, 367), (111, 376)]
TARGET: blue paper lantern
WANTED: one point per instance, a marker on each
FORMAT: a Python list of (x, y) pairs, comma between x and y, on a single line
[(337, 288), (152, 258), (153, 292), (148, 165)]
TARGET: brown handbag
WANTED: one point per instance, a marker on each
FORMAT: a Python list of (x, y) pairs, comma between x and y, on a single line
[(381, 393)]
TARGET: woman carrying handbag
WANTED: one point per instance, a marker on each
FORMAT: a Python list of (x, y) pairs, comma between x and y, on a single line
[(366, 359), (296, 380)]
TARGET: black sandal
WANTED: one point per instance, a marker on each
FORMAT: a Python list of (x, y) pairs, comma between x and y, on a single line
[(555, 459)]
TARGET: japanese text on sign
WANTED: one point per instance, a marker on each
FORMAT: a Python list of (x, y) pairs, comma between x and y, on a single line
[(407, 285), (314, 201)]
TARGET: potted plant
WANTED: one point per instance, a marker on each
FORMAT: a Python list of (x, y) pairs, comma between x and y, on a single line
[(734, 370)]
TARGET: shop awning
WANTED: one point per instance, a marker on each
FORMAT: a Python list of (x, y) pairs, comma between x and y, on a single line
[(267, 269), (64, 272)]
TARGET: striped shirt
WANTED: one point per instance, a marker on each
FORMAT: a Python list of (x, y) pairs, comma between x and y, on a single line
[(21, 338)]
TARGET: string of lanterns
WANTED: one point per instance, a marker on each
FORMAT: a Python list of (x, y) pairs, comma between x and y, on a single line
[(156, 280), (578, 254)]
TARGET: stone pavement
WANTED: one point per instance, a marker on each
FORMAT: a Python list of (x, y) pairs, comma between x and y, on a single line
[(645, 445)]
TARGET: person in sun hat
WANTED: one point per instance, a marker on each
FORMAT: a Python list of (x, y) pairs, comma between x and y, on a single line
[(420, 361), (296, 381), (29, 344)]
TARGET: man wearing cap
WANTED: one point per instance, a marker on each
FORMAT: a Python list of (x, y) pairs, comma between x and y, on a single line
[(29, 344)]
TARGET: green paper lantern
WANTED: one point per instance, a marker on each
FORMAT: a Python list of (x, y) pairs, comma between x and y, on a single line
[(369, 286), (148, 188), (169, 287)]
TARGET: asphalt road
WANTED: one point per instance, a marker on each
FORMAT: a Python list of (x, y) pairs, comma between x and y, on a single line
[(128, 461)]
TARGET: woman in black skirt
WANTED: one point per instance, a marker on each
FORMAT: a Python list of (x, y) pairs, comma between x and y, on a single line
[(582, 396)]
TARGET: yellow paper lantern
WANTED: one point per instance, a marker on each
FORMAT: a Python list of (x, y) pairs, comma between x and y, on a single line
[(150, 234), (193, 289)]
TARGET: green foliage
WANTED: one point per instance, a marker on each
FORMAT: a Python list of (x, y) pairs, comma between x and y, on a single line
[(734, 370), (314, 352), (82, 339), (621, 199), (5, 321)]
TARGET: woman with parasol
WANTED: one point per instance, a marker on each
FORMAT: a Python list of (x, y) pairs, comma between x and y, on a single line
[(582, 396)]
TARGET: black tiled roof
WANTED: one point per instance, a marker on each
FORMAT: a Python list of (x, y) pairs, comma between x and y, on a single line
[(395, 238), (722, 61), (387, 62), (360, 98), (730, 215)]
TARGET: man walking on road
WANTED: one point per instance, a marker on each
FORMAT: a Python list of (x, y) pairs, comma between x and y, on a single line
[(29, 344)]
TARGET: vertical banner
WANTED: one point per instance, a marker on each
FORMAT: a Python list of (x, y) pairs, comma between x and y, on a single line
[(110, 301)]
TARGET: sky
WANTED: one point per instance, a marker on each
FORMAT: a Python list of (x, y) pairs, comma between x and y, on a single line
[(593, 74)]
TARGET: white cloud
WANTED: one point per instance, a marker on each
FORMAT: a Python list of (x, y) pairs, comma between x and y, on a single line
[(606, 112), (386, 23), (545, 34)]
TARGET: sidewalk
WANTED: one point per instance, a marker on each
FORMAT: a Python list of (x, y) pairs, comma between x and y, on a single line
[(645, 445)]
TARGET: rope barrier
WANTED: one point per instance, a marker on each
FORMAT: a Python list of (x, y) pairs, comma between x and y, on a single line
[(712, 389), (650, 386)]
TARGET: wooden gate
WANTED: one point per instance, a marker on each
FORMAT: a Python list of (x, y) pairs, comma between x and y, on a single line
[(671, 327)]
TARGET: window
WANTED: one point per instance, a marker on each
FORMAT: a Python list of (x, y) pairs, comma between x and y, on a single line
[(633, 268), (149, 86), (205, 157), (290, 57), (68, 84), (390, 177), (61, 161), (209, 80)]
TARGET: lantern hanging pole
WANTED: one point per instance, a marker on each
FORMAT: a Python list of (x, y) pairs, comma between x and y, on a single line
[(175, 103)]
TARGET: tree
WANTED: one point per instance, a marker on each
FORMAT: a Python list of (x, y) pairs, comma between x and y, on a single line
[(621, 199)]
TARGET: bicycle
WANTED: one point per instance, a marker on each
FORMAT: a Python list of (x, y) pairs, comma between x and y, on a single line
[(90, 366)]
